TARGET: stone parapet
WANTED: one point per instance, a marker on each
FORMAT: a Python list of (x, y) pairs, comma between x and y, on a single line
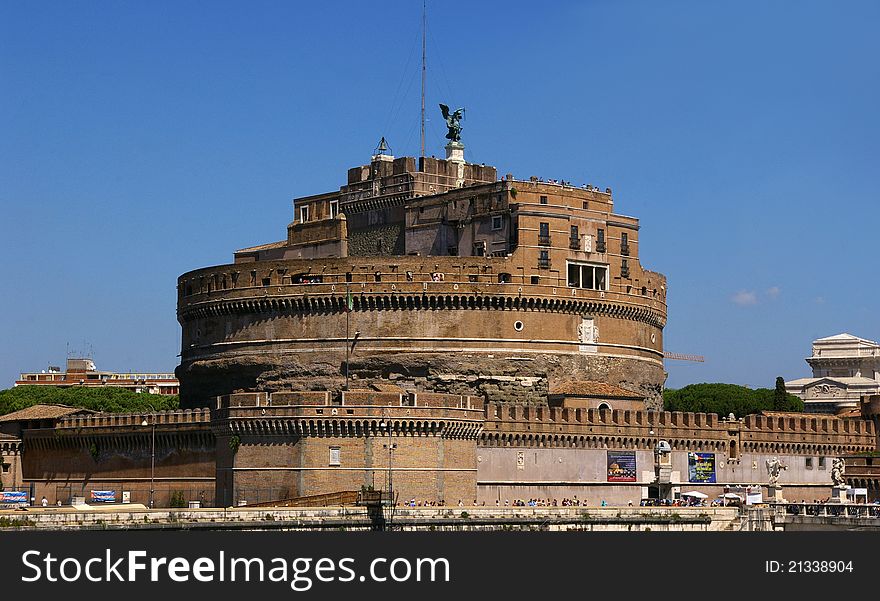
[(360, 414), (600, 428), (161, 419)]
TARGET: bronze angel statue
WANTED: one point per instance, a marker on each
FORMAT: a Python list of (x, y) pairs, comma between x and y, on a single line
[(453, 122)]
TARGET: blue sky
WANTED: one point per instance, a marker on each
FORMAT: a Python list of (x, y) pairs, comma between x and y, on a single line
[(141, 140)]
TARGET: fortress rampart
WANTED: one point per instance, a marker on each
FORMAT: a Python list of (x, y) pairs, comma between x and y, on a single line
[(259, 446), (614, 429)]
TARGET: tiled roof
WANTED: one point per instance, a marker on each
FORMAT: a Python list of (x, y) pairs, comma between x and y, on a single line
[(268, 246), (42, 412), (384, 387), (593, 388)]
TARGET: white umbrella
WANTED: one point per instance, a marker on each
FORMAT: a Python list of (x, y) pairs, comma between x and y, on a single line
[(731, 495), (696, 494)]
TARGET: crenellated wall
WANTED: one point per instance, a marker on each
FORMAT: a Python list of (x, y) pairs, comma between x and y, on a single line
[(174, 452), (527, 452), (262, 446), (288, 444)]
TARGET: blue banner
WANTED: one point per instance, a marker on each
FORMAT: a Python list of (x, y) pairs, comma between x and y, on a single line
[(621, 466), (13, 497), (701, 467), (103, 496)]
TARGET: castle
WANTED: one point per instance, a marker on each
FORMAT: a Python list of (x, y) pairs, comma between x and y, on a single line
[(434, 330), (458, 282)]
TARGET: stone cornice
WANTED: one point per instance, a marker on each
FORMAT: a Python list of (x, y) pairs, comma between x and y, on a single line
[(335, 302)]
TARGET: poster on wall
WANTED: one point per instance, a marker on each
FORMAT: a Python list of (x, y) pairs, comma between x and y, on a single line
[(103, 496), (621, 466), (13, 498), (701, 467)]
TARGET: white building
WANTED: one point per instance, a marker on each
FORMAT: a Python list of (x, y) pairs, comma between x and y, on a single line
[(845, 368)]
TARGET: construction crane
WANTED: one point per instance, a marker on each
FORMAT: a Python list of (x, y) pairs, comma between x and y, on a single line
[(681, 357)]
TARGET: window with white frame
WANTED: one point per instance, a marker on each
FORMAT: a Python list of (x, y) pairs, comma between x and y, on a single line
[(334, 209), (587, 275), (334, 456), (304, 214)]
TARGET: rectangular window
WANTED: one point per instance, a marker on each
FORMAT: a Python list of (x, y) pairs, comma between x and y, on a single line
[(304, 214), (587, 276), (624, 269), (497, 222), (544, 259), (586, 205), (536, 279), (821, 463), (543, 200), (334, 209), (544, 234), (808, 463), (334, 456), (600, 240), (479, 248), (624, 243), (574, 275)]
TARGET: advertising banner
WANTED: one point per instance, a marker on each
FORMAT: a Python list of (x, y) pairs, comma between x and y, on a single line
[(621, 466), (13, 497), (701, 467), (103, 496)]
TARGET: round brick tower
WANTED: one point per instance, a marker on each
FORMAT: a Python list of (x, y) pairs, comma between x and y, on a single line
[(431, 277)]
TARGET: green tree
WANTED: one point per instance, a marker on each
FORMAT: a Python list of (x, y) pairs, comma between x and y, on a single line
[(724, 399), (780, 396), (110, 399)]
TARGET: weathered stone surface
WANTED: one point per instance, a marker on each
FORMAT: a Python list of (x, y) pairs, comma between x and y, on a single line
[(498, 378)]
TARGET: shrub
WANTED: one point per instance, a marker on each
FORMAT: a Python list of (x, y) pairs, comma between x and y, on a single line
[(177, 499)]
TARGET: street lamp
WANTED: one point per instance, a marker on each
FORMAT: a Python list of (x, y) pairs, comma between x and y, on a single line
[(152, 456), (386, 424), (656, 460)]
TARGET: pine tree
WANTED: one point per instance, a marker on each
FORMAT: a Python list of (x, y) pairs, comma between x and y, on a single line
[(780, 396)]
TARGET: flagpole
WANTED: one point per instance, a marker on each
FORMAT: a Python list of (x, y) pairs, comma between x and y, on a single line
[(347, 319)]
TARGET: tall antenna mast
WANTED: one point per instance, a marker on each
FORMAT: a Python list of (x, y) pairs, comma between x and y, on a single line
[(424, 47)]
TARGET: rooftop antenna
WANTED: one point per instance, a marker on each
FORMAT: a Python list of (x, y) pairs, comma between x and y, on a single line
[(424, 48)]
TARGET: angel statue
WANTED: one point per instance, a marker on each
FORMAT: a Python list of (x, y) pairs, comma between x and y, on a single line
[(838, 465), (453, 122), (773, 469)]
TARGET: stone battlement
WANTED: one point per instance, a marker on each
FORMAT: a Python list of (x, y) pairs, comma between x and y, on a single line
[(601, 428), (161, 419)]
